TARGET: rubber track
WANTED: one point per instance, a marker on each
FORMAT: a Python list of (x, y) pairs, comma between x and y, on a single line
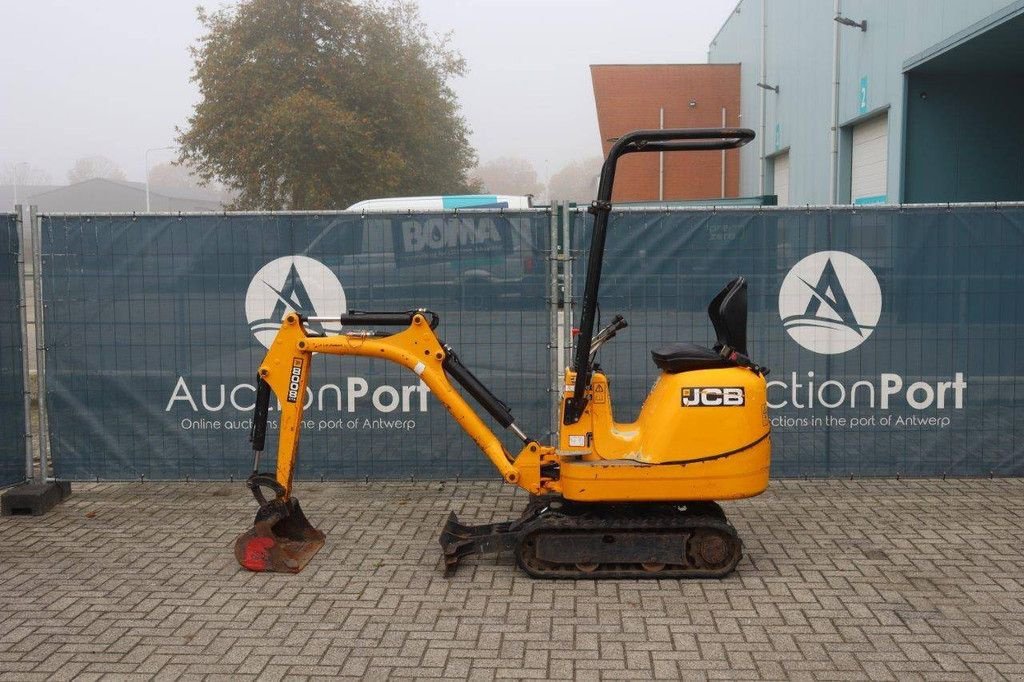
[(710, 519)]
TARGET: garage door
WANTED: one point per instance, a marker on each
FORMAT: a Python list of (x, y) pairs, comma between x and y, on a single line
[(870, 161), (780, 178)]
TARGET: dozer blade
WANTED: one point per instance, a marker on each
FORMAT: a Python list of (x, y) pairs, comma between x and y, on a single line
[(281, 540), (459, 540)]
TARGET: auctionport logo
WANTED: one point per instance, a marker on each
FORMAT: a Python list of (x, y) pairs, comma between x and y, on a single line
[(297, 283), (307, 286), (830, 302)]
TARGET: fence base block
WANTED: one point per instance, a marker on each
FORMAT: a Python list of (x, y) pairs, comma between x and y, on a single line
[(34, 499)]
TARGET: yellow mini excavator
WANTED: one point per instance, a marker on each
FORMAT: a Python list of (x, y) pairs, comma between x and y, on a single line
[(609, 499)]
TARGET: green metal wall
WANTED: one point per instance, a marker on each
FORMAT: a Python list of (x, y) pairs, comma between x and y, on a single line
[(964, 139)]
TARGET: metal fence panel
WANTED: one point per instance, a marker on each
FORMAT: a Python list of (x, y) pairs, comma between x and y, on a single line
[(895, 336), (12, 381), (154, 327)]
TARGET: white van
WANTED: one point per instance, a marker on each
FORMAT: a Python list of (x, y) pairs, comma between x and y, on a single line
[(402, 246), (443, 203)]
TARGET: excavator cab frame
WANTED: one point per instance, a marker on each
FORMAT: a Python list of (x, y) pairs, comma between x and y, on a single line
[(673, 140)]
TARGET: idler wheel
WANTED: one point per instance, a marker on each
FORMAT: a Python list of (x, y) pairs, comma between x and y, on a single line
[(712, 549)]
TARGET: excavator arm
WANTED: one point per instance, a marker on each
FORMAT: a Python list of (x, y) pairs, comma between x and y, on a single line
[(285, 372)]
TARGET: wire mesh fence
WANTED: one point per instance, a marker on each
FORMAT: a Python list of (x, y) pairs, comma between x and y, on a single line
[(895, 335), (13, 415), (156, 325)]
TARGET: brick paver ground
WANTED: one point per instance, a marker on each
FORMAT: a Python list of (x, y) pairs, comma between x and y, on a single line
[(841, 580)]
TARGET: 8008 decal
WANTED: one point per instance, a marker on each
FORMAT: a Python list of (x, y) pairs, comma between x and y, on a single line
[(714, 396), (294, 379)]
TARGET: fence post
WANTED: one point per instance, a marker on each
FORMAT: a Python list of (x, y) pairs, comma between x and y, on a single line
[(35, 497), (554, 347), (36, 227), (26, 382)]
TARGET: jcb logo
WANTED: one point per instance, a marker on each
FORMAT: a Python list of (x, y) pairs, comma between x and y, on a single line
[(294, 380), (709, 396)]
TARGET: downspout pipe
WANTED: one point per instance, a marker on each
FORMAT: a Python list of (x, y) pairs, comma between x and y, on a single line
[(661, 159), (833, 165), (723, 157), (764, 96)]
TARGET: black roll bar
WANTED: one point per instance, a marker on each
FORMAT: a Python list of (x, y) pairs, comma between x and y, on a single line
[(671, 140)]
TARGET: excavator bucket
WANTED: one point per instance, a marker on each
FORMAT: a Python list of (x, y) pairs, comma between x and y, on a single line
[(281, 540)]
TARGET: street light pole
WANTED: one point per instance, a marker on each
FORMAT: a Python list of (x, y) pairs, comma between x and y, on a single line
[(15, 178), (154, 149)]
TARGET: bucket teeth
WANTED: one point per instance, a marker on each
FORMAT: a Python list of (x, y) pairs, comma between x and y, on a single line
[(281, 540)]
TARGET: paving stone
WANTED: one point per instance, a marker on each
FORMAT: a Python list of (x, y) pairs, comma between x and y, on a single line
[(869, 579)]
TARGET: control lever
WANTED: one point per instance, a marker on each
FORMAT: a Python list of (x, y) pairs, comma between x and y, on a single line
[(607, 334)]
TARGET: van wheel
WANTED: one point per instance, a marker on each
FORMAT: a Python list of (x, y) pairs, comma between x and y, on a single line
[(475, 295)]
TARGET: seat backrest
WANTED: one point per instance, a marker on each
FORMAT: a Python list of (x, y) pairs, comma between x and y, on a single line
[(728, 313)]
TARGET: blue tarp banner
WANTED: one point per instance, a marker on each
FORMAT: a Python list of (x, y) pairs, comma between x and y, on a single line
[(12, 384), (156, 326), (895, 336)]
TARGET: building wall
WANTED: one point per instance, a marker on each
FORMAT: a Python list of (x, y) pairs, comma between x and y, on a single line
[(630, 97), (799, 48)]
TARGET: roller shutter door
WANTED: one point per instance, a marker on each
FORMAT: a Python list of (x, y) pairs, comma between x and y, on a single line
[(869, 174), (780, 178)]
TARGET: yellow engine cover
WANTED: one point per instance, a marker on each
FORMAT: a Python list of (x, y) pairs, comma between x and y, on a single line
[(700, 435), (700, 414)]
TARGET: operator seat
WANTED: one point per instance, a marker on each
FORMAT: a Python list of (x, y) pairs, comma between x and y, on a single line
[(728, 313)]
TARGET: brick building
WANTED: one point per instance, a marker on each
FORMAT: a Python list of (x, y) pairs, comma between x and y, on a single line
[(633, 96)]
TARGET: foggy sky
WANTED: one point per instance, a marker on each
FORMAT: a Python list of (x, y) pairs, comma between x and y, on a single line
[(111, 77)]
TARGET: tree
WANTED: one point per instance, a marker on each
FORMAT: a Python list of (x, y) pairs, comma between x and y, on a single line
[(311, 104), (19, 177), (90, 167), (23, 174), (508, 175), (174, 175), (576, 181)]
